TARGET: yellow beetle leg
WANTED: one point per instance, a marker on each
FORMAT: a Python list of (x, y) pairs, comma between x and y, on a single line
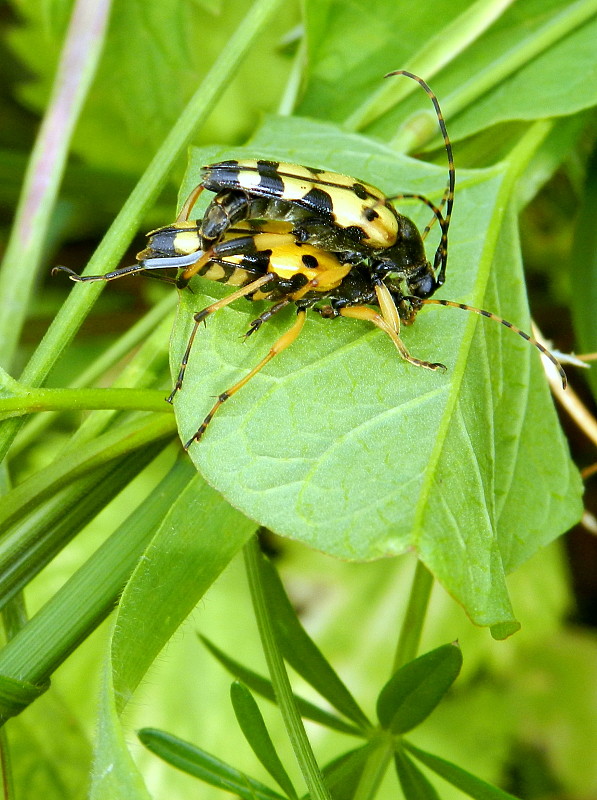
[(189, 203), (366, 313), (201, 315), (283, 342)]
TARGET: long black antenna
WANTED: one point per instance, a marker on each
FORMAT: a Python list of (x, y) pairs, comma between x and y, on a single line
[(441, 254)]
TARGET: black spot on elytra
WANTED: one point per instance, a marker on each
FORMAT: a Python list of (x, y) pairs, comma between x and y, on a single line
[(370, 214), (360, 191), (310, 261), (320, 202)]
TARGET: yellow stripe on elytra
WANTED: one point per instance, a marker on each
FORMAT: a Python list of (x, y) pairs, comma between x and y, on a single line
[(187, 242)]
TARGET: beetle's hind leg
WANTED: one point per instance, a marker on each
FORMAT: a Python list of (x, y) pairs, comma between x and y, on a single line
[(389, 322), (200, 316), (281, 344)]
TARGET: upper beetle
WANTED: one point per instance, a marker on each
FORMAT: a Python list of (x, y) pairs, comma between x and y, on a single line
[(328, 210)]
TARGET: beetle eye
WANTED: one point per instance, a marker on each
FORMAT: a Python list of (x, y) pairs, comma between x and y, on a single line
[(424, 287)]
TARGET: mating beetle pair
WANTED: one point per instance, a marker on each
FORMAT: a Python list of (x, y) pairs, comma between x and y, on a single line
[(293, 234)]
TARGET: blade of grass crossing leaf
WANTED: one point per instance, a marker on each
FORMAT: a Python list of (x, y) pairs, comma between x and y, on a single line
[(255, 732), (208, 768), (263, 686), (415, 689), (463, 780), (113, 245), (413, 783), (303, 654)]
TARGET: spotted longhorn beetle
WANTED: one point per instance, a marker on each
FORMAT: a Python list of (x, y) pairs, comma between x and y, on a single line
[(293, 234)]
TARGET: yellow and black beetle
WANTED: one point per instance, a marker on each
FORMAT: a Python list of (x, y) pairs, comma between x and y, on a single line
[(328, 210), (290, 234)]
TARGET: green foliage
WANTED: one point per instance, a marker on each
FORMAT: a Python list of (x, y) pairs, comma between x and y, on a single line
[(338, 444), (403, 703), (161, 52), (415, 689), (253, 727), (431, 428)]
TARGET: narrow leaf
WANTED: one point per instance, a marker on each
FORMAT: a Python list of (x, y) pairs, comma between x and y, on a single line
[(463, 780), (412, 781), (263, 687), (342, 775), (208, 768), (304, 656), (415, 689), (255, 732)]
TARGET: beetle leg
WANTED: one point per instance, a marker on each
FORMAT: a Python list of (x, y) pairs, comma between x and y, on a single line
[(282, 343), (387, 306), (267, 315), (366, 313), (201, 315), (188, 204)]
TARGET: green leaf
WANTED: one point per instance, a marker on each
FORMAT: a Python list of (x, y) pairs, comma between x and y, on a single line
[(197, 539), (342, 775), (415, 689), (413, 783), (339, 50), (511, 70), (263, 686), (87, 597), (463, 780), (253, 727), (31, 545), (208, 768), (340, 444), (54, 766)]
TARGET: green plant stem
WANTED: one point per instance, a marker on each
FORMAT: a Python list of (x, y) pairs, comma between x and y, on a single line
[(8, 789), (89, 595), (422, 127), (440, 50), (13, 619), (78, 62), (121, 347), (412, 624), (84, 400), (283, 690), (143, 195), (295, 80), (374, 771)]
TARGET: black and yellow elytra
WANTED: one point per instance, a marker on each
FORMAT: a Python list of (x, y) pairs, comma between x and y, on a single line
[(290, 234)]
